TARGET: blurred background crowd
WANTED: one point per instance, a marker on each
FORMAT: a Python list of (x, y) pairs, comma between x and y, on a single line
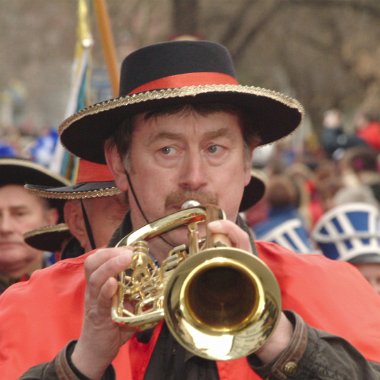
[(328, 60)]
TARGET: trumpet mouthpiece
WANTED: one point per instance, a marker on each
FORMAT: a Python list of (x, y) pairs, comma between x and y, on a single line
[(190, 203)]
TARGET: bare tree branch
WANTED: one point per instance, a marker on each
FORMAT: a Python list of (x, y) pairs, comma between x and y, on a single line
[(234, 26), (246, 40), (371, 8), (185, 17)]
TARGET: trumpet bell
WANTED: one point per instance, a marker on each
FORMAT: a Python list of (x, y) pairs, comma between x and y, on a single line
[(222, 303), (219, 302)]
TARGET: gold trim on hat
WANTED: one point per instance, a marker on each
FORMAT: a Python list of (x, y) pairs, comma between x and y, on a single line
[(181, 92), (90, 194), (61, 227)]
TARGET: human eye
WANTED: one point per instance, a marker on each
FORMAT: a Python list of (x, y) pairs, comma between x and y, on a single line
[(214, 149), (20, 213), (217, 153), (168, 150), (167, 156)]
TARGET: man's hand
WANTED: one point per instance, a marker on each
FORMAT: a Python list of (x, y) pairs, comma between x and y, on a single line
[(277, 342), (101, 338), (238, 237)]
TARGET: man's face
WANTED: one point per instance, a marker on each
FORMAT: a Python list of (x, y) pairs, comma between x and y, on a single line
[(371, 272), (20, 212), (177, 157)]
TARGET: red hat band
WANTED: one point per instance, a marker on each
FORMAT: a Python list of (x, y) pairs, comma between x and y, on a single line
[(188, 79)]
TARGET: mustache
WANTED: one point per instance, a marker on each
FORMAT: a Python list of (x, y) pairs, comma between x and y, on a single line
[(178, 198)]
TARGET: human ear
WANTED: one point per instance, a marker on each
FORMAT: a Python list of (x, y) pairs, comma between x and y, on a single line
[(74, 220), (52, 216), (116, 167)]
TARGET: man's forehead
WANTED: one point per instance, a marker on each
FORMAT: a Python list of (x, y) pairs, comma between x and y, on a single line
[(171, 125), (180, 134), (19, 199)]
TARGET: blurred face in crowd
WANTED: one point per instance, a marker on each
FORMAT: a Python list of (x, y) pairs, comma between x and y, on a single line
[(104, 213), (21, 212), (184, 155), (371, 271)]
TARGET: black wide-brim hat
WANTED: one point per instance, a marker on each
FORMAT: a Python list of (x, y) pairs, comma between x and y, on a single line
[(48, 238), (175, 73), (19, 171)]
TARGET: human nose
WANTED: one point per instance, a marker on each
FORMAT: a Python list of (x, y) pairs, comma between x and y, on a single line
[(193, 173), (6, 224)]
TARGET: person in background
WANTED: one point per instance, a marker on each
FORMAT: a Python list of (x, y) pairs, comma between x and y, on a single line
[(284, 224), (328, 182), (303, 176), (20, 212), (360, 169), (93, 208), (334, 138), (367, 124), (351, 232), (184, 129)]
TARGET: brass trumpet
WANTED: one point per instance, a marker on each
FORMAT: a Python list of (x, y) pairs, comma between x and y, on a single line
[(219, 302)]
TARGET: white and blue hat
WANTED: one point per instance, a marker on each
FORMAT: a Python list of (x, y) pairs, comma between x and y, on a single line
[(290, 234), (350, 232)]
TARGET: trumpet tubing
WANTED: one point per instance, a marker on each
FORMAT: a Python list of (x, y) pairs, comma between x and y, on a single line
[(219, 302)]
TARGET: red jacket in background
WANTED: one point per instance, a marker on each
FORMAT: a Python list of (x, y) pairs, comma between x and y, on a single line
[(38, 317)]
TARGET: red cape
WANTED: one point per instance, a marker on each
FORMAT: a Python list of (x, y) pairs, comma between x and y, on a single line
[(38, 317)]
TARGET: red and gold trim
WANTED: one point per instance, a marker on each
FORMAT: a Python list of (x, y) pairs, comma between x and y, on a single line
[(188, 79)]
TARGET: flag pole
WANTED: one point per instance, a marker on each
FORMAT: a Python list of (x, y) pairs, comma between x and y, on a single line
[(62, 161), (107, 44)]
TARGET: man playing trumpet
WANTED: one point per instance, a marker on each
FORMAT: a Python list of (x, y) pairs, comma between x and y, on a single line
[(184, 129)]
